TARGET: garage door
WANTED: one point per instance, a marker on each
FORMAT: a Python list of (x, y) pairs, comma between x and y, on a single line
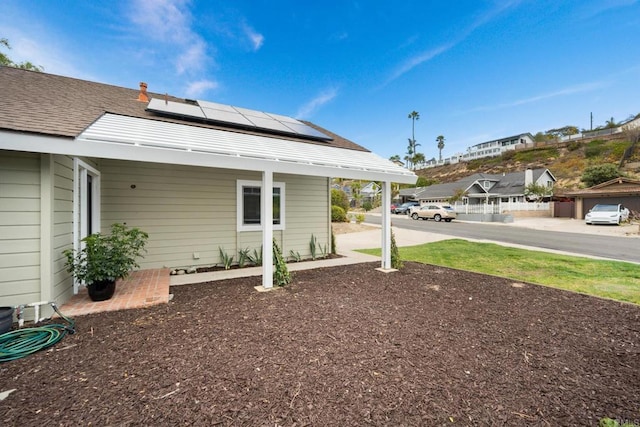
[(631, 203)]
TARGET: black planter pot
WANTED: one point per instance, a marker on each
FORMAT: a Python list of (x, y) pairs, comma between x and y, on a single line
[(101, 291), (6, 319)]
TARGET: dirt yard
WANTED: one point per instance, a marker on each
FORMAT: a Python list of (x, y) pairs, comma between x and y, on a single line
[(346, 346)]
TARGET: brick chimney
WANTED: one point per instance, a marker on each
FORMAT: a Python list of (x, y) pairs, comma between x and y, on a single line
[(142, 96)]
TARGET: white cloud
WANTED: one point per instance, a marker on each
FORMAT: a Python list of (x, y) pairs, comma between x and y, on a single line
[(254, 37), (169, 22), (427, 55), (313, 105), (196, 89), (417, 60), (585, 87), (192, 58), (164, 20)]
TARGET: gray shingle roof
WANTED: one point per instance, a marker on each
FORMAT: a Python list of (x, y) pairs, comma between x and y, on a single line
[(55, 105), (508, 184)]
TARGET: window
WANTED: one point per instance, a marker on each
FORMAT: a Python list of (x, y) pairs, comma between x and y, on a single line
[(248, 202)]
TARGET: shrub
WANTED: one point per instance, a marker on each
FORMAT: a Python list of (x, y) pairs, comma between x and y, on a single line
[(338, 214), (360, 218), (594, 148), (597, 174), (574, 145), (367, 206), (339, 198), (281, 275), (396, 262), (107, 257)]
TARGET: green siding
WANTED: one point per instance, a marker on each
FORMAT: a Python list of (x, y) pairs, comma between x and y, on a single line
[(189, 210), (19, 228)]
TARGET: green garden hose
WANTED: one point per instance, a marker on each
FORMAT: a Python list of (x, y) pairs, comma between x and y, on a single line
[(23, 342)]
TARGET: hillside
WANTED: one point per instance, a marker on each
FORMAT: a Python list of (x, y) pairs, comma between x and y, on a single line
[(566, 161)]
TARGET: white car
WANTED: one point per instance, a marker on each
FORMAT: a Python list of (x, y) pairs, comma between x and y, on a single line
[(607, 214)]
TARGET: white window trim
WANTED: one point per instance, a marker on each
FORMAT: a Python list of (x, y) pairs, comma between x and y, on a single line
[(240, 206)]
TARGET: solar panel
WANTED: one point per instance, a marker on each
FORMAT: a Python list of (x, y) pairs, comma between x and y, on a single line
[(175, 108), (227, 117), (216, 106), (237, 117), (302, 129)]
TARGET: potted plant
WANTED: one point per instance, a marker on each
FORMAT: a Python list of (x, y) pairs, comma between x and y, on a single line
[(104, 259)]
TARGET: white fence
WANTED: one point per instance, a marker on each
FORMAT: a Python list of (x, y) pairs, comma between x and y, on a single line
[(498, 208)]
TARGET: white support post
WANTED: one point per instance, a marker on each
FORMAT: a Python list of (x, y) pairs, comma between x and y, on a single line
[(266, 216), (386, 225)]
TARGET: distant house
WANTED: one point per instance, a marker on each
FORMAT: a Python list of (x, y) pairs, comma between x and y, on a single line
[(370, 192), (199, 177), (482, 188), (497, 146), (491, 148), (367, 193)]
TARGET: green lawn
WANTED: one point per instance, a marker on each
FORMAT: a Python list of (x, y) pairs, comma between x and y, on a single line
[(608, 279)]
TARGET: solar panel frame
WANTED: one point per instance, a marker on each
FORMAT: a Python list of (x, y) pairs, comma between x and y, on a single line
[(223, 116), (237, 117), (175, 108)]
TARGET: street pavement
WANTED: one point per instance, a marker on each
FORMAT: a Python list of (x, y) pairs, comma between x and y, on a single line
[(406, 237)]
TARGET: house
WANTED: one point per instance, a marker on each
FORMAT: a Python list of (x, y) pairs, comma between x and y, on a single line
[(483, 188), (497, 147), (368, 192), (621, 190), (77, 156)]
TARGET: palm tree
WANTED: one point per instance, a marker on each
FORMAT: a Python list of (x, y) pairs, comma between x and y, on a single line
[(395, 158), (440, 140), (610, 123), (414, 115), (418, 159)]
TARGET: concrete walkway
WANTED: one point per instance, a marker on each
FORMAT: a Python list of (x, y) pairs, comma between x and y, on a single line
[(349, 242)]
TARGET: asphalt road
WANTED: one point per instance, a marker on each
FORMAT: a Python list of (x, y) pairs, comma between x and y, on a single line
[(612, 247)]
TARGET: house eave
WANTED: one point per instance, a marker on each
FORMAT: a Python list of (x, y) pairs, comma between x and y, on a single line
[(157, 148)]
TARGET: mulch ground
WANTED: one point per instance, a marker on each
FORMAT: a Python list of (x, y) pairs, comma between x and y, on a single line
[(425, 346)]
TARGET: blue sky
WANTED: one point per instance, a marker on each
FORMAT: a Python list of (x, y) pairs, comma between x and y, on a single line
[(475, 70)]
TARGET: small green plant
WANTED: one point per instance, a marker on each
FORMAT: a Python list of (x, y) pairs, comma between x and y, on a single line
[(367, 205), (323, 249), (243, 257), (281, 275), (360, 218), (225, 258), (295, 256), (312, 247), (256, 257), (107, 257), (609, 422), (396, 262)]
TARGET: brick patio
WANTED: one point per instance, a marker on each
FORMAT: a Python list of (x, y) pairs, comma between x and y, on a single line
[(141, 289)]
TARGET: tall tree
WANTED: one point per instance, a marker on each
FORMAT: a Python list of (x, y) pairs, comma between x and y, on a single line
[(7, 62), (611, 123), (414, 115), (418, 159), (440, 140)]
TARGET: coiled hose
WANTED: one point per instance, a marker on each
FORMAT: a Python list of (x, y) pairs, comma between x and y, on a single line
[(23, 342)]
